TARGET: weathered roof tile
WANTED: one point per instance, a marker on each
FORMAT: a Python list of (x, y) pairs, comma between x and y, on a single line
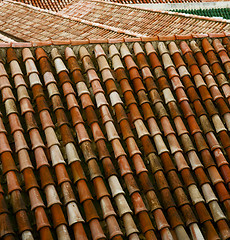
[(98, 25), (183, 134)]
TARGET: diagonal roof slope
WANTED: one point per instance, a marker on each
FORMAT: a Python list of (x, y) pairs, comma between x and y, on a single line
[(57, 5), (125, 141), (30, 24), (92, 19), (54, 5), (143, 21)]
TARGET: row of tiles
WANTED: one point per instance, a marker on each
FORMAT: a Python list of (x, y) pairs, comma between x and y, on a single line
[(60, 4), (55, 6), (208, 190), (141, 21), (24, 23), (73, 42)]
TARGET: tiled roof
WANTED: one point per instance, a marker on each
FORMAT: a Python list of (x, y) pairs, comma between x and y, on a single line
[(141, 21), (91, 19), (57, 5), (24, 22), (122, 141), (53, 5)]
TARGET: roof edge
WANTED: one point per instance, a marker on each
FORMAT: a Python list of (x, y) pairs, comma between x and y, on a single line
[(157, 11), (83, 21), (111, 41)]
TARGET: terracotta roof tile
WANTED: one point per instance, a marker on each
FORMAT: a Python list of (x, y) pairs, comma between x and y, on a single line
[(59, 28), (115, 115), (72, 22), (49, 5)]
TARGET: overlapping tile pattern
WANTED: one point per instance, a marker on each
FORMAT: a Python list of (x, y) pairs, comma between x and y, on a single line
[(119, 152), (125, 141), (92, 19), (145, 22), (90, 158), (25, 23), (55, 6)]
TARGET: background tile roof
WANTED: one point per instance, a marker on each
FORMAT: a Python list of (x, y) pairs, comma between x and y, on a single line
[(27, 24), (56, 5), (92, 20), (145, 22)]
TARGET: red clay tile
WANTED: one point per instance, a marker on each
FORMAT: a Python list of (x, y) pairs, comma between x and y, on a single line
[(79, 42), (129, 137), (115, 40), (40, 53), (12, 180), (26, 53), (183, 37), (4, 144), (21, 45), (4, 82), (20, 142), (2, 70), (201, 35), (71, 102), (41, 43), (184, 48), (8, 163), (36, 139), (41, 219), (216, 35), (218, 46), (14, 123), (171, 71), (166, 38), (36, 200), (68, 53), (61, 42)]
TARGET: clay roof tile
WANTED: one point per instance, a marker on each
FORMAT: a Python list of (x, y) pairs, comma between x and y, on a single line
[(195, 136)]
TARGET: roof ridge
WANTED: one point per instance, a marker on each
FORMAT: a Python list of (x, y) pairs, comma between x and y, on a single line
[(30, 6), (94, 24), (6, 38), (57, 42), (98, 25), (152, 10)]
